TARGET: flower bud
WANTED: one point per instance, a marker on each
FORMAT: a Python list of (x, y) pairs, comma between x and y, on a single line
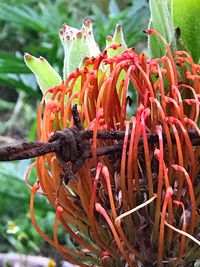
[(78, 44), (118, 39)]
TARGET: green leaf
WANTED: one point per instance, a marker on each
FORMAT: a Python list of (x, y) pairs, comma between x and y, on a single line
[(137, 10), (113, 8), (11, 64), (5, 105), (186, 16), (15, 83), (161, 21), (46, 76), (22, 15)]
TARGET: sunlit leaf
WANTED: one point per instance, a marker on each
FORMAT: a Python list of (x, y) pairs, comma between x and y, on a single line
[(186, 16), (46, 76), (162, 22)]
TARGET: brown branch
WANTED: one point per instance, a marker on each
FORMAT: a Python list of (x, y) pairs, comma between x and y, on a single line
[(73, 145), (28, 150)]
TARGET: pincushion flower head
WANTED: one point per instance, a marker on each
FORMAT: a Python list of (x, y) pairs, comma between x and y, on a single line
[(132, 200)]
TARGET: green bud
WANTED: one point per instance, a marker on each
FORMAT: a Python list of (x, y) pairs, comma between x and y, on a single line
[(118, 39), (46, 76), (77, 44)]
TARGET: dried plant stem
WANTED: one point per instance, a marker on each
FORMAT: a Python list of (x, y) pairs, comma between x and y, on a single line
[(183, 233), (118, 219)]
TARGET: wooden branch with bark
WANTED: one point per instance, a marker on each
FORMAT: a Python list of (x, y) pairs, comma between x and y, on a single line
[(73, 143)]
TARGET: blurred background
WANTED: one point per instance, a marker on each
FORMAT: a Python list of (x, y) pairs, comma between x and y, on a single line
[(32, 26)]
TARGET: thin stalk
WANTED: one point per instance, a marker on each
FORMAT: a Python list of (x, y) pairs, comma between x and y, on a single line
[(27, 173), (169, 209), (189, 145), (192, 197), (130, 169), (120, 217), (160, 183), (184, 225), (92, 218), (95, 130), (35, 188), (103, 212), (167, 133), (123, 182), (150, 31), (180, 161), (66, 252), (106, 176), (168, 195), (196, 117), (79, 239), (86, 110), (183, 233), (144, 116)]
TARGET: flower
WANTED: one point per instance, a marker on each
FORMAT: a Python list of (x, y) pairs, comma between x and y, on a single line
[(140, 206), (12, 228)]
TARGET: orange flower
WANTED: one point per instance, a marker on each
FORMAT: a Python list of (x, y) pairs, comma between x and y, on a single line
[(150, 178)]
